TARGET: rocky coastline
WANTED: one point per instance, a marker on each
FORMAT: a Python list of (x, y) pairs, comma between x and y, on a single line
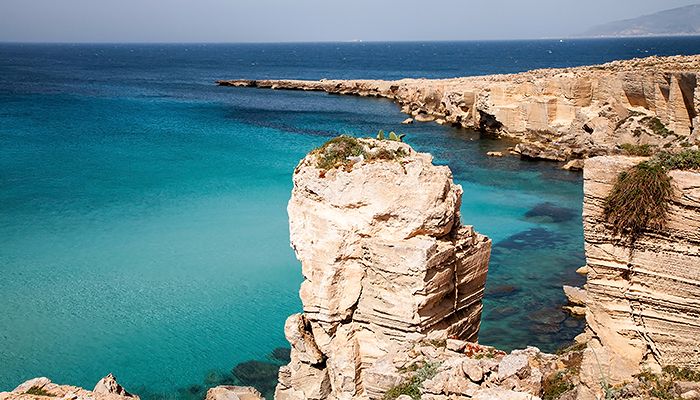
[(394, 283), (555, 114)]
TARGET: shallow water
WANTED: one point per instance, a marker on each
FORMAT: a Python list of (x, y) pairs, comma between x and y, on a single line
[(143, 228)]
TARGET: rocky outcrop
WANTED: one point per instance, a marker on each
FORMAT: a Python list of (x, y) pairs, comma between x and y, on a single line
[(233, 393), (385, 261), (556, 114), (106, 389), (455, 369), (643, 297)]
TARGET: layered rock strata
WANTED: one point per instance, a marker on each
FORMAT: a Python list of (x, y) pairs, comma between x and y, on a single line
[(643, 297), (385, 261), (556, 114)]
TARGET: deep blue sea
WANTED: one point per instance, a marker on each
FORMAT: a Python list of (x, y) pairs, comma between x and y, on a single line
[(143, 228)]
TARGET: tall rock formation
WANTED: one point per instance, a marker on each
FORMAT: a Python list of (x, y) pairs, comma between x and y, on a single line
[(385, 260), (556, 114), (643, 297)]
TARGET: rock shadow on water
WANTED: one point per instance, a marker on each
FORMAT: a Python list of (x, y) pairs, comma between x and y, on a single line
[(281, 354), (546, 321), (550, 213), (534, 238), (499, 291), (261, 375)]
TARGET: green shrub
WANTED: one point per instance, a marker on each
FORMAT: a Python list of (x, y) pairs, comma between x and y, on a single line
[(555, 385), (681, 374), (639, 199), (642, 150), (335, 152), (656, 126), (411, 387), (685, 160), (38, 391)]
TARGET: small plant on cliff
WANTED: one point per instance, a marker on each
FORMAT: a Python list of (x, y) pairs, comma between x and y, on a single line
[(411, 387), (38, 391), (393, 136), (656, 126), (639, 199), (338, 153), (643, 150), (555, 385), (685, 160), (641, 195), (335, 152)]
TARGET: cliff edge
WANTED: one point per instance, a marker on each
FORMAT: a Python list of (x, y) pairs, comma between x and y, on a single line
[(555, 114)]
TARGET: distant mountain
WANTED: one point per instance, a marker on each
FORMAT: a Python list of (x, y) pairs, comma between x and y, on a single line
[(677, 21)]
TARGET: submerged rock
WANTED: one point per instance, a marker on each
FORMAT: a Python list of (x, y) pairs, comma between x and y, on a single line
[(552, 212)]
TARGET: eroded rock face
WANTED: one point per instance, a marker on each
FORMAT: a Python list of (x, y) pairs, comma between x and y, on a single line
[(556, 114), (643, 298), (385, 260)]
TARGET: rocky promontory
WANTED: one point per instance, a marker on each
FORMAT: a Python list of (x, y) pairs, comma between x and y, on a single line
[(386, 261), (555, 114)]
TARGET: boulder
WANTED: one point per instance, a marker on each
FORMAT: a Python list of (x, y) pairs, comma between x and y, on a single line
[(576, 296), (233, 393)]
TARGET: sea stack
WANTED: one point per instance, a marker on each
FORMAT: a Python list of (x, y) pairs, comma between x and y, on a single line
[(386, 261)]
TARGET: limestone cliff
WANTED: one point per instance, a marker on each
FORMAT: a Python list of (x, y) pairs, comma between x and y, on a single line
[(643, 297), (556, 114), (385, 261)]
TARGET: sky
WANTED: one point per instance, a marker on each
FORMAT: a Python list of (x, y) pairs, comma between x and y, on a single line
[(308, 20)]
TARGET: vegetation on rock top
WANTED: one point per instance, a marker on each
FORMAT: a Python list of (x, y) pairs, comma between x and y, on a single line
[(340, 151), (641, 195), (38, 391), (642, 150), (663, 386)]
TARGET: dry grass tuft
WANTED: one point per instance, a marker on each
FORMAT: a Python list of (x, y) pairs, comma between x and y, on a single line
[(640, 199)]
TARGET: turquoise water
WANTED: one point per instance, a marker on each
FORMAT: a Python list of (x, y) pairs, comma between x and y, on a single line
[(143, 228)]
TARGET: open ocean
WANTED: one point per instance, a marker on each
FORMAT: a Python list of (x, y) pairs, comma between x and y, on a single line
[(143, 228)]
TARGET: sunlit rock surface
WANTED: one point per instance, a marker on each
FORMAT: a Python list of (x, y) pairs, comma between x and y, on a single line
[(385, 260), (556, 114), (643, 298)]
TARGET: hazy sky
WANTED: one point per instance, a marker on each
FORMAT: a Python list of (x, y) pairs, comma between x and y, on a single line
[(308, 20)]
